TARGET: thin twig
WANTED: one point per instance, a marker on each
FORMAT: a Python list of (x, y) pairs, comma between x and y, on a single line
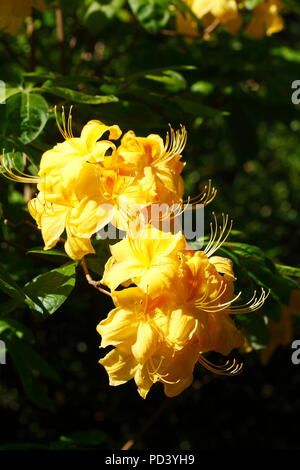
[(194, 34), (212, 27), (90, 280)]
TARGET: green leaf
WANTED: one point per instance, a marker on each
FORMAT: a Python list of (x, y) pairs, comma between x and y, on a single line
[(78, 97), (111, 8), (10, 287), (288, 270), (244, 250), (172, 80), (16, 329), (30, 365), (256, 329), (49, 291), (205, 88), (97, 15), (14, 161), (70, 441), (88, 438), (272, 308), (152, 14), (280, 286), (52, 252), (34, 115), (286, 53), (196, 108), (10, 91)]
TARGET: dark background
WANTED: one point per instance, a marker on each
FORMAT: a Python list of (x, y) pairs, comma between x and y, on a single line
[(244, 134)]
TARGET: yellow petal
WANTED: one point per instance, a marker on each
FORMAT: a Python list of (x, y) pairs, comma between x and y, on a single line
[(146, 342), (143, 380), (160, 277), (266, 19), (76, 248), (119, 366), (82, 221), (223, 266), (94, 130), (181, 329), (121, 251), (54, 160), (132, 299), (119, 326), (53, 225), (118, 273), (223, 333), (180, 370)]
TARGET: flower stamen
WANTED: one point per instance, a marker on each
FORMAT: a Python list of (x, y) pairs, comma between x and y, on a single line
[(226, 369)]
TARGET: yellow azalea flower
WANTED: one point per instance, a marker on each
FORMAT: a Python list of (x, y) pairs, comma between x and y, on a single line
[(156, 164), (266, 19), (149, 259), (13, 12), (71, 197), (136, 328), (132, 323), (222, 9), (67, 159), (181, 310), (185, 23), (86, 182), (78, 192), (207, 296), (211, 13), (156, 343), (175, 371)]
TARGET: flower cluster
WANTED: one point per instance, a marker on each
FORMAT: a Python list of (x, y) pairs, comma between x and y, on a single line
[(265, 18), (86, 182), (177, 306), (172, 304)]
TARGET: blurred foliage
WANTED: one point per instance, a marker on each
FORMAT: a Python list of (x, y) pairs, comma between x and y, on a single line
[(123, 62)]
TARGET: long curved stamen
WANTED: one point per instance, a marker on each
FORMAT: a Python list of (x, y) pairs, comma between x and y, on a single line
[(171, 212), (227, 369), (253, 304), (174, 145), (155, 376), (215, 243), (177, 208), (202, 299), (66, 128), (206, 306), (9, 174), (205, 197)]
